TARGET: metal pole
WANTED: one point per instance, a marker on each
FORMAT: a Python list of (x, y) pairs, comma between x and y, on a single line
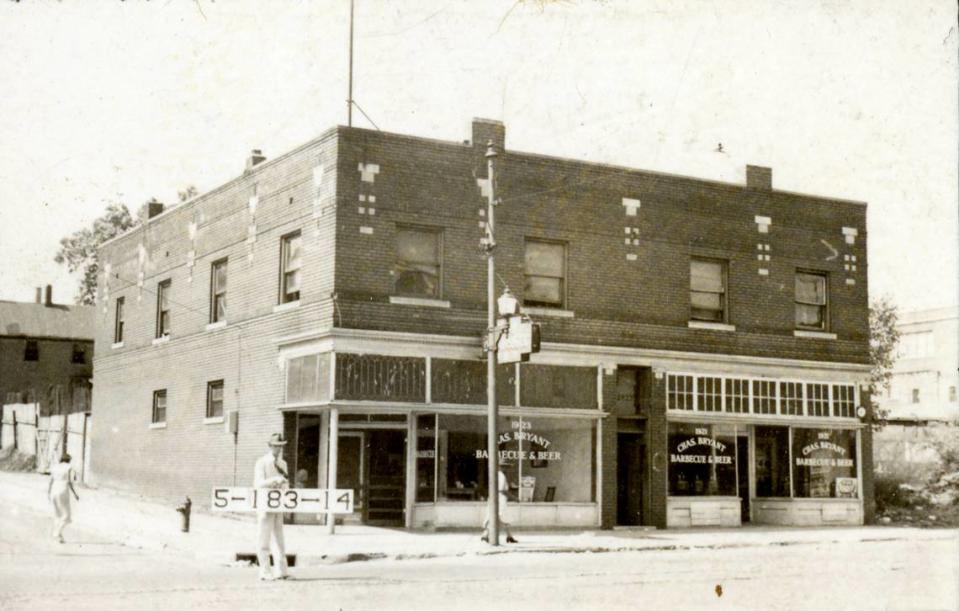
[(331, 465), (349, 98), (491, 433)]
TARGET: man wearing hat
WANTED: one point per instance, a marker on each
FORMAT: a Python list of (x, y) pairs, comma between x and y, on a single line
[(271, 472)]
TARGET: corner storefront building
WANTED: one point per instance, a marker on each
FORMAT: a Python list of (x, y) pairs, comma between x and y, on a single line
[(704, 345)]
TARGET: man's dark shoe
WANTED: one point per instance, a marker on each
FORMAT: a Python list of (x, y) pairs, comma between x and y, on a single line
[(510, 539)]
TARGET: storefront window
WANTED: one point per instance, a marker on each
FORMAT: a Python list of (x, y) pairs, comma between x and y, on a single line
[(545, 460), (772, 461), (824, 463), (425, 458), (702, 459)]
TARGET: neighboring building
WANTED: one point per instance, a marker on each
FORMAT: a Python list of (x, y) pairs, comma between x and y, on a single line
[(703, 343), (46, 354), (926, 375)]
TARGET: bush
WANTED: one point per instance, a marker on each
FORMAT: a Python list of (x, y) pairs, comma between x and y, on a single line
[(893, 492)]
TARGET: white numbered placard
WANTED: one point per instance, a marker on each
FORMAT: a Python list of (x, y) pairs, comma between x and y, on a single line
[(274, 500)]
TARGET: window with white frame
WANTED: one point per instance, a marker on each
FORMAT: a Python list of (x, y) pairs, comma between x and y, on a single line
[(291, 247), (707, 290), (218, 291), (843, 400), (709, 395), (158, 415), (764, 397), (790, 398), (679, 392), (417, 270), (118, 321), (163, 308), (817, 399), (737, 396), (214, 399), (545, 267), (811, 301)]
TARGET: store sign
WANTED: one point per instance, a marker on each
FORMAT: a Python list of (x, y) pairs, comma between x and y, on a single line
[(701, 449), (535, 447), (847, 487), (835, 455)]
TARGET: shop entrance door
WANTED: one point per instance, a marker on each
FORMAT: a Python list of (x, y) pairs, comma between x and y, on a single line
[(742, 476), (349, 467), (386, 477), (630, 475)]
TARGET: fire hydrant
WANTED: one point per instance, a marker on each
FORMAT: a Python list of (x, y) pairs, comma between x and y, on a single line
[(184, 511)]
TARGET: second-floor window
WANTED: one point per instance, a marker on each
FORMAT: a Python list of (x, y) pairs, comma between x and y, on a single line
[(78, 355), (31, 352), (163, 309), (545, 274), (159, 407), (118, 322), (915, 395), (218, 291), (811, 301), (417, 270), (214, 399), (291, 248), (707, 290)]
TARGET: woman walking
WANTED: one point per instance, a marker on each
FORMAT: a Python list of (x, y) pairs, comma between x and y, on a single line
[(59, 490)]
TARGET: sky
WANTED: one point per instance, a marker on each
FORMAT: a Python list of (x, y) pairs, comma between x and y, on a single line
[(124, 101)]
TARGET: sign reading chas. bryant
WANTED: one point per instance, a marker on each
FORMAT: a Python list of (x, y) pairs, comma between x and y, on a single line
[(702, 449)]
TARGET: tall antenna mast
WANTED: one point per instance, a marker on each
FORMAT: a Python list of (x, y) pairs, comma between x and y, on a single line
[(349, 99)]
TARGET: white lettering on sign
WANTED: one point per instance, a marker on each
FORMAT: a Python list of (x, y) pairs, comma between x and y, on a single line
[(700, 441), (823, 445), (274, 500), (522, 455), (823, 462)]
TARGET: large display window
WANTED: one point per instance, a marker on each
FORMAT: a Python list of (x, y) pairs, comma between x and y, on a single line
[(824, 463), (545, 460), (702, 459)]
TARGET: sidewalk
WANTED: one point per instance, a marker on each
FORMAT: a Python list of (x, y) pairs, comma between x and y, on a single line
[(144, 523)]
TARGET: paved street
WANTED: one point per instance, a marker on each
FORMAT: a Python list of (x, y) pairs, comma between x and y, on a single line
[(92, 572)]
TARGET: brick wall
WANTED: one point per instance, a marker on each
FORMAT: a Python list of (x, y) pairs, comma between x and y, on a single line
[(189, 455), (656, 444), (642, 302), (53, 367)]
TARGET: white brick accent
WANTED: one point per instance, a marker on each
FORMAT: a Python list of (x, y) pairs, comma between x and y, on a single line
[(366, 230), (631, 205), (483, 184), (850, 233), (763, 271), (368, 171), (631, 257), (763, 223)]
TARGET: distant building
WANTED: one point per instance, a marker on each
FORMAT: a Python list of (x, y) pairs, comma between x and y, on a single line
[(46, 354), (926, 375), (704, 343)]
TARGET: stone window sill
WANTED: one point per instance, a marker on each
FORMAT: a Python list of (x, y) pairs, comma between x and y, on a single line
[(713, 326), (213, 420), (161, 340), (548, 312), (116, 345), (814, 334), (283, 307), (420, 301), (213, 326), (158, 425)]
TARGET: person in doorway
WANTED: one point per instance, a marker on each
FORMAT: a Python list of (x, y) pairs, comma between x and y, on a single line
[(58, 491), (271, 472), (502, 485)]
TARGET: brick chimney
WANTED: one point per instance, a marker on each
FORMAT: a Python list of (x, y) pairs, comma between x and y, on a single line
[(39, 297), (759, 177), (484, 132), (48, 300), (256, 157), (154, 208)]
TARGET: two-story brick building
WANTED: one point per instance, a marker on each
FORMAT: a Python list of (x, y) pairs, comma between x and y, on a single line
[(703, 343)]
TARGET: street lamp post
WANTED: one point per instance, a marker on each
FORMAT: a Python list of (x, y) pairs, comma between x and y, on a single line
[(492, 494)]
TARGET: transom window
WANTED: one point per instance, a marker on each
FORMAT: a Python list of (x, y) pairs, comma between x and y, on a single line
[(768, 397), (545, 274), (214, 399), (163, 308), (218, 275), (811, 301), (417, 270), (291, 247), (707, 290), (159, 406)]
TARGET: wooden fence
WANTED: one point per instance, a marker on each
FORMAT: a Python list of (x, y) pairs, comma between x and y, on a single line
[(47, 437)]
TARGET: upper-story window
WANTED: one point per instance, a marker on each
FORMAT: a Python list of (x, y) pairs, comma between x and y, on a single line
[(31, 352), (118, 321), (545, 274), (291, 250), (915, 395), (163, 308), (78, 355), (218, 291), (418, 267), (707, 290), (811, 301), (158, 414), (214, 399)]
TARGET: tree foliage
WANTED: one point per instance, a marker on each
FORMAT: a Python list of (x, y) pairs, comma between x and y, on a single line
[(883, 342), (78, 251)]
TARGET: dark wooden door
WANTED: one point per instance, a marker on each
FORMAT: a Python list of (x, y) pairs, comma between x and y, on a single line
[(629, 479), (386, 488)]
